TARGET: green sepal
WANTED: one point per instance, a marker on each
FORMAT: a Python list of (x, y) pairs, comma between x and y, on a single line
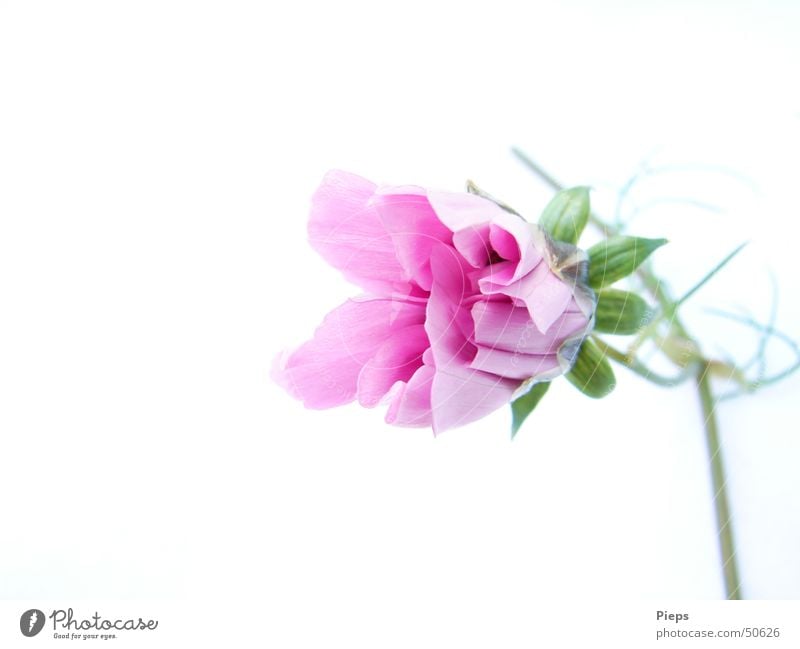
[(617, 257), (620, 312), (592, 373), (566, 214), (524, 405)]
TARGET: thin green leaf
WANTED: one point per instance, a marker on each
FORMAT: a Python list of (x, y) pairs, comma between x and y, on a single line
[(710, 274), (522, 407)]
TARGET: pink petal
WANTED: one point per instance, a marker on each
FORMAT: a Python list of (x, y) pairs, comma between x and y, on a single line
[(545, 295), (469, 216), (462, 395), (547, 300), (447, 322), (414, 228), (411, 406), (459, 394), (324, 371), (459, 211), (427, 356), (501, 325), (396, 360), (504, 243), (513, 365), (349, 235), (473, 243), (497, 276)]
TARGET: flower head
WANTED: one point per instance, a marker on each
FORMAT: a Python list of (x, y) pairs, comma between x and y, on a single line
[(466, 305)]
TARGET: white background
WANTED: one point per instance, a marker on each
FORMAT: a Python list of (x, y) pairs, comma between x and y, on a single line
[(156, 165)]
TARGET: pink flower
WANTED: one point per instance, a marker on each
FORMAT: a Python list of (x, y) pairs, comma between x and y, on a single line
[(466, 305)]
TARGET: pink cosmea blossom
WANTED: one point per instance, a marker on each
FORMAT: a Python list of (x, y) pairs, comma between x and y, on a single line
[(465, 305)]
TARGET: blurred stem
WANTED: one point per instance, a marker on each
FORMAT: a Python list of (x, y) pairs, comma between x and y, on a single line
[(725, 534), (700, 366)]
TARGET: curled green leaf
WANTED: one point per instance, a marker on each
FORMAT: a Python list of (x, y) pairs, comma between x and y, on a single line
[(592, 373), (617, 257), (620, 312), (566, 214)]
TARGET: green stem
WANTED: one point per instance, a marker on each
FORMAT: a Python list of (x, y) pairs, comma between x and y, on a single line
[(718, 482), (701, 366), (640, 368)]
